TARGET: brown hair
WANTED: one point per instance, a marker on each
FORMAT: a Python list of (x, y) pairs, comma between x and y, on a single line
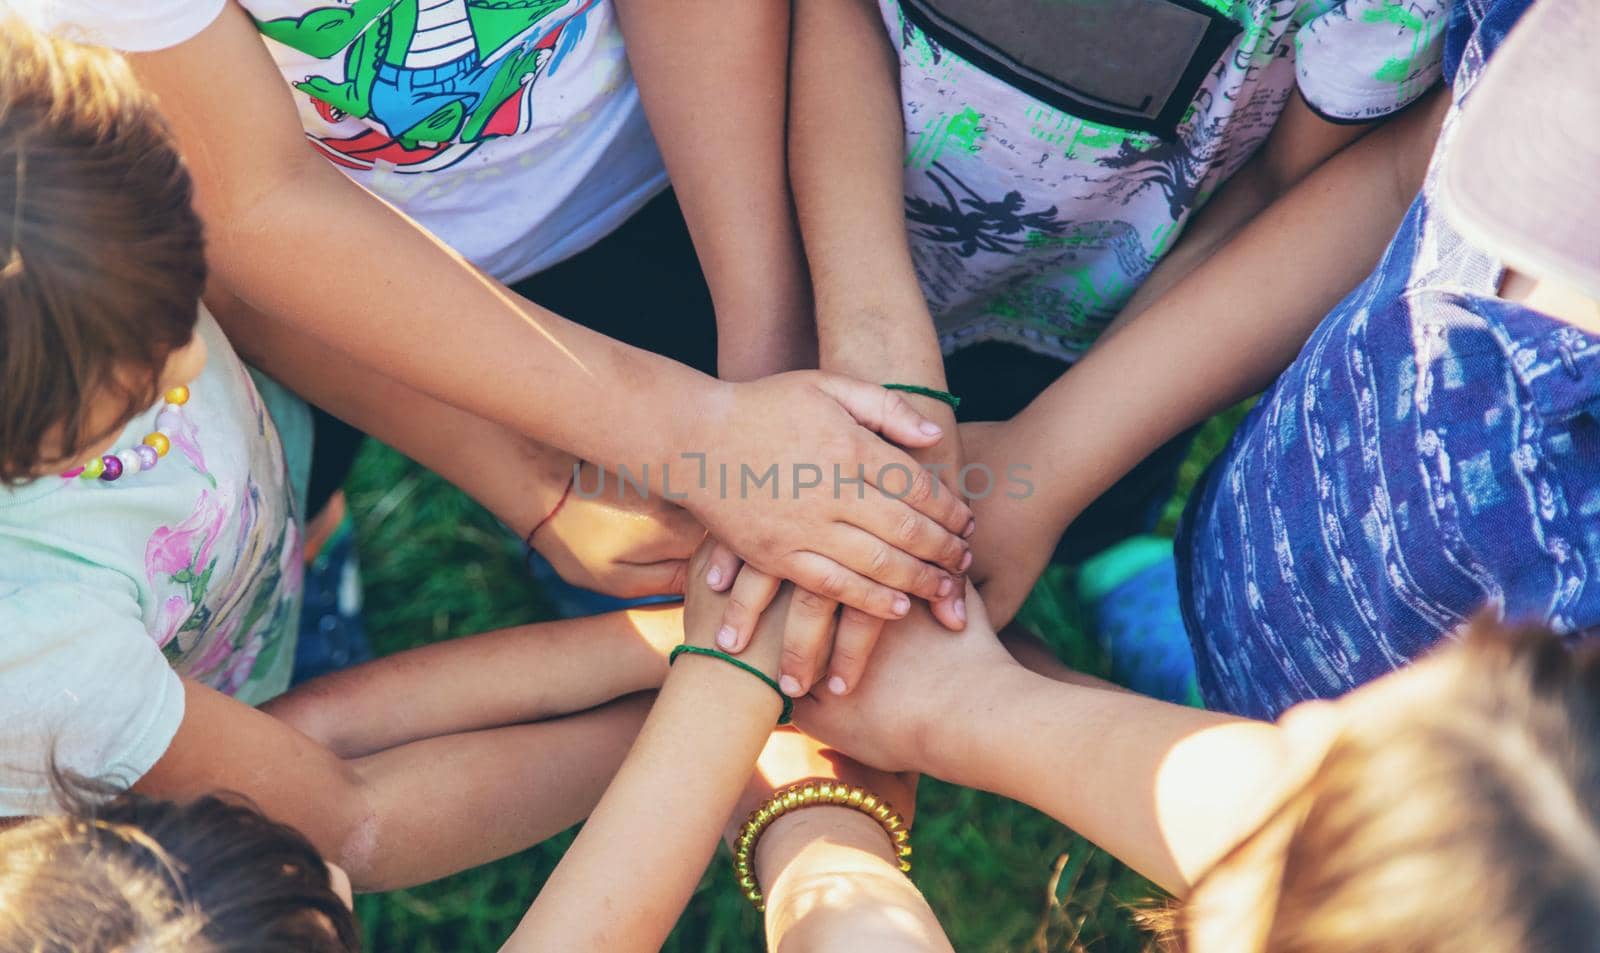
[(119, 873), (101, 256), (1471, 822)]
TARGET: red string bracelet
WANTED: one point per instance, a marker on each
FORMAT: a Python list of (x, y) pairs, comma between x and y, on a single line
[(552, 514)]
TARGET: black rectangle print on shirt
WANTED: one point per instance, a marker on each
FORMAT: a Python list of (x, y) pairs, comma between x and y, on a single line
[(1132, 64)]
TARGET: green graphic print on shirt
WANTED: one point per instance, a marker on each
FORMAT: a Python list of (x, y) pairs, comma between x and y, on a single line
[(1031, 225)]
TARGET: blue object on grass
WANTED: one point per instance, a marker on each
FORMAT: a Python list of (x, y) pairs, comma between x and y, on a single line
[(333, 631), (1130, 593)]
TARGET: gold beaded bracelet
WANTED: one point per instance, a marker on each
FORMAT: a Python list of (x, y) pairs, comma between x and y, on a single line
[(813, 794)]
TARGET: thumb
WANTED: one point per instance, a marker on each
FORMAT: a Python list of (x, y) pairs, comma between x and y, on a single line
[(882, 411)]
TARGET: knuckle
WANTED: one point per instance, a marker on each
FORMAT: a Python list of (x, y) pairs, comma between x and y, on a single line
[(909, 529), (832, 584), (881, 560), (796, 658), (811, 604), (921, 489)]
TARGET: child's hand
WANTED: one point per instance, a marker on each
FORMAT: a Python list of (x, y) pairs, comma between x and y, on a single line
[(919, 671), (858, 543), (623, 544), (703, 608)]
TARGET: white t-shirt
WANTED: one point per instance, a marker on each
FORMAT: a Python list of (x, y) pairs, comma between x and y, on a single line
[(1054, 152), (109, 592), (509, 128)]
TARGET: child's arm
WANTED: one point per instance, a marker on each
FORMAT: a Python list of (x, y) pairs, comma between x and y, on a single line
[(285, 228), (1166, 789), (529, 673), (624, 881), (623, 544), (718, 114), (409, 814), (832, 882), (425, 763), (846, 146), (831, 876), (1218, 336)]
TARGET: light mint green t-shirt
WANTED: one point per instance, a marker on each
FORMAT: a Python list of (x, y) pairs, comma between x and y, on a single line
[(110, 593)]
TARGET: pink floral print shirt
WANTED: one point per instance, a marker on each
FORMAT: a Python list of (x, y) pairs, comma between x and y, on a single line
[(111, 593)]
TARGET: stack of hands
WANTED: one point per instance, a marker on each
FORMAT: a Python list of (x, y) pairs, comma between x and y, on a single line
[(857, 554)]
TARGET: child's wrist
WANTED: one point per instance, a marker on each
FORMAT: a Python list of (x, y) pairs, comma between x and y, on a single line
[(842, 829)]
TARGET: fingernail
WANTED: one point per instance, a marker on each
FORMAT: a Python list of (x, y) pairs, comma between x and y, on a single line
[(961, 609), (727, 638), (965, 561), (945, 585), (972, 527), (837, 685), (714, 577), (902, 605), (790, 686), (930, 428)]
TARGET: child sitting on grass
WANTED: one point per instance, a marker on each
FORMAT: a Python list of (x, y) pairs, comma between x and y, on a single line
[(150, 544), (212, 873), (1426, 450)]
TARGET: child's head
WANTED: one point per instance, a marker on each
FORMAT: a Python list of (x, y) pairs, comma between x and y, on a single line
[(126, 874), (1451, 806), (101, 256)]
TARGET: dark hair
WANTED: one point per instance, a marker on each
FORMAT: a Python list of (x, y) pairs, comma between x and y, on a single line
[(1470, 822), (101, 255), (118, 873)]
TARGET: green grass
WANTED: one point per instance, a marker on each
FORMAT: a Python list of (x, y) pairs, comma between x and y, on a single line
[(1001, 876)]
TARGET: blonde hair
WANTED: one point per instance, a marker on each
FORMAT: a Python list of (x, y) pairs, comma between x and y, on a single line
[(1469, 822)]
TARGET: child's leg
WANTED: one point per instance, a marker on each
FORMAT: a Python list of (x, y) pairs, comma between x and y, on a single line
[(830, 875)]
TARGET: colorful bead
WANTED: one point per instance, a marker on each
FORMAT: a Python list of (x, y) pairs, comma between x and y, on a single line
[(148, 458), (178, 395), (73, 473), (159, 442), (130, 462), (170, 420), (93, 469), (113, 468)]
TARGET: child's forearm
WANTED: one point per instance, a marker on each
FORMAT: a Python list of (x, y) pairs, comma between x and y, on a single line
[(846, 146), (718, 116), (1165, 789), (1228, 329), (625, 880), (451, 803), (409, 814), (257, 187), (832, 882), (508, 677)]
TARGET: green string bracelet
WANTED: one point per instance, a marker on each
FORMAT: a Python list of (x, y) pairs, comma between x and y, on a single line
[(788, 703), (921, 391)]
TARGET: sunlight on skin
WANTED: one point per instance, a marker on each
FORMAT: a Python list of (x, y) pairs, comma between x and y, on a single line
[(840, 889), (1218, 786), (659, 627)]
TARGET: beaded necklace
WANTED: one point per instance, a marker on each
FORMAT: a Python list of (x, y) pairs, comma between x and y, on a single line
[(156, 444)]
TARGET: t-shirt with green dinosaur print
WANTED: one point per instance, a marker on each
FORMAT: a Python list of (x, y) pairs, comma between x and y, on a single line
[(509, 128), (1055, 151)]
